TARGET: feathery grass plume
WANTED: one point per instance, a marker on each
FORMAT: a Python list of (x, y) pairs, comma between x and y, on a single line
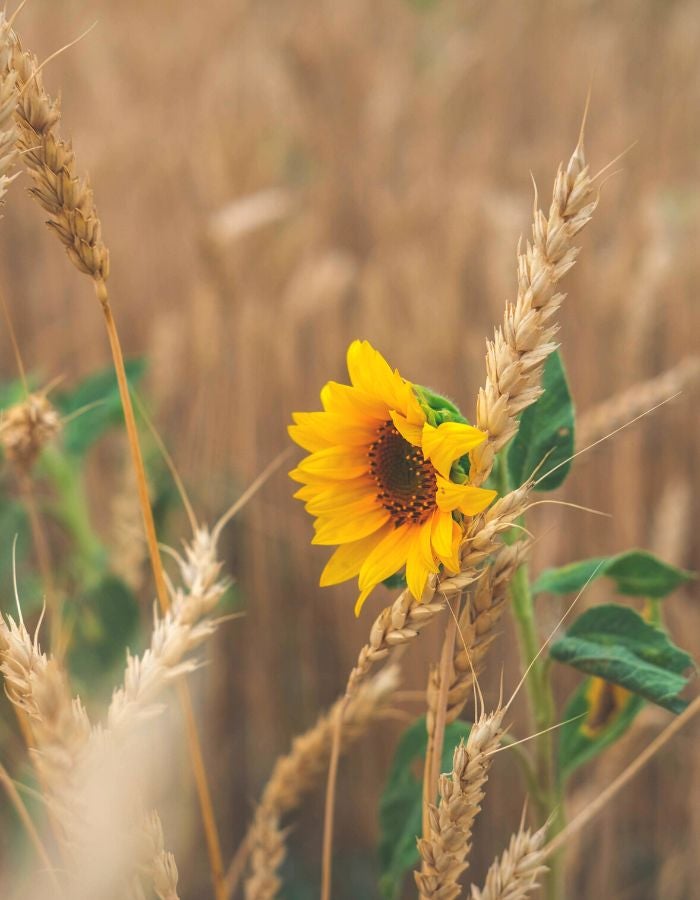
[(8, 104), (186, 624), (26, 428), (641, 397), (50, 161), (403, 620), (36, 684), (445, 853), (299, 771), (516, 355), (515, 874), (158, 866)]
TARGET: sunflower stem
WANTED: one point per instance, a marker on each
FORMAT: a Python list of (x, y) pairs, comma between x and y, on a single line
[(549, 797)]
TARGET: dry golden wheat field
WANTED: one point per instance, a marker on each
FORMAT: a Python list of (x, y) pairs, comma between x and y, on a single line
[(272, 182)]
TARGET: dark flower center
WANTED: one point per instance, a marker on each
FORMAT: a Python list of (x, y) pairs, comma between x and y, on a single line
[(405, 480)]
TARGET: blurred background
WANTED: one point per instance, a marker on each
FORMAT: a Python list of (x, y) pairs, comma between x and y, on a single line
[(277, 178)]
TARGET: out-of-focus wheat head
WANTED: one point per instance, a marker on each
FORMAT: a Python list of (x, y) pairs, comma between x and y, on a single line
[(26, 428)]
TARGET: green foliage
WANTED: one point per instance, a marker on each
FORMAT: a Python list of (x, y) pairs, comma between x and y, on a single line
[(400, 806), (10, 393), (584, 738), (615, 643), (104, 621), (437, 409), (546, 432), (101, 390), (636, 573)]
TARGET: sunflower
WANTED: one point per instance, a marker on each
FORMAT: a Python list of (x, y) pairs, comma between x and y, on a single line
[(385, 476)]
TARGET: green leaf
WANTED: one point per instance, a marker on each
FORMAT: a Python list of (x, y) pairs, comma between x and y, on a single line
[(615, 643), (105, 620), (607, 710), (102, 390), (400, 806), (546, 432), (636, 573)]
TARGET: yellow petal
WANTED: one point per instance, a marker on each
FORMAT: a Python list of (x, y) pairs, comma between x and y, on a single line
[(410, 432), (465, 497), (360, 602), (346, 561), (371, 373), (426, 546), (416, 570), (327, 501), (446, 443), (387, 557), (335, 462), (345, 529), (441, 536), (352, 404), (316, 430)]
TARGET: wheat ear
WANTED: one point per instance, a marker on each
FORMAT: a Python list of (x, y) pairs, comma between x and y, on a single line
[(517, 353), (158, 866), (514, 875), (445, 853), (297, 773)]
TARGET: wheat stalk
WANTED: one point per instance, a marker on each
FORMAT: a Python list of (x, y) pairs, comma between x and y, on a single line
[(446, 850), (297, 773), (73, 217), (514, 875), (516, 355)]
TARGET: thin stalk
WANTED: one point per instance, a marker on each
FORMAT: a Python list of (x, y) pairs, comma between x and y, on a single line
[(550, 796), (195, 749)]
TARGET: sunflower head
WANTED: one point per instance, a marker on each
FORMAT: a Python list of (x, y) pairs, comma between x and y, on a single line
[(385, 477)]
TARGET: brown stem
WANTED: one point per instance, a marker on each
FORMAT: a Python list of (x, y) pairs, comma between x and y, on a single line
[(195, 749)]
